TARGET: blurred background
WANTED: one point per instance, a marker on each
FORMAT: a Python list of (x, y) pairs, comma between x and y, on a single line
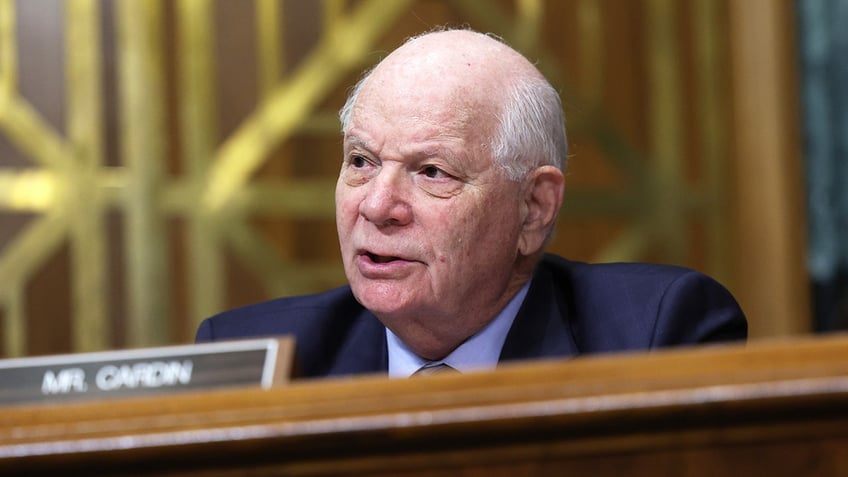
[(163, 160)]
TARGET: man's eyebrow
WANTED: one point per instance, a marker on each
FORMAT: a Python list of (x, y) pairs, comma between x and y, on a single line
[(425, 151), (356, 141)]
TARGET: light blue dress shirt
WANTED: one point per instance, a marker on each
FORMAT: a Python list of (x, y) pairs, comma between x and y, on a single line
[(480, 352)]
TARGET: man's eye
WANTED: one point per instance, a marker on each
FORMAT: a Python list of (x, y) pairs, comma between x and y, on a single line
[(358, 161), (432, 172)]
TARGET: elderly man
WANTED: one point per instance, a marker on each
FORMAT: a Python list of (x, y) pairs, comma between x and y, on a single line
[(450, 186)]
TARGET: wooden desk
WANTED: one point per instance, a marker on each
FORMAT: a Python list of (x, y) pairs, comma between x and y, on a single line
[(773, 409)]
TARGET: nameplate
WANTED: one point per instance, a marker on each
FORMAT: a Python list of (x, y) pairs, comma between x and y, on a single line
[(147, 371)]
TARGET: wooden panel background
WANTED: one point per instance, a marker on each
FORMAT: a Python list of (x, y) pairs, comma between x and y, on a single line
[(164, 160)]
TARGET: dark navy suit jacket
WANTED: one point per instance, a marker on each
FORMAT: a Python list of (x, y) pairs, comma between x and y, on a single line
[(571, 308)]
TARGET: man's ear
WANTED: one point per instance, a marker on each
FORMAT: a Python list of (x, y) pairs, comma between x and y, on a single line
[(542, 200)]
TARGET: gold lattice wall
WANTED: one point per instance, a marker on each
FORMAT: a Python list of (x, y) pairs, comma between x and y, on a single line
[(188, 164)]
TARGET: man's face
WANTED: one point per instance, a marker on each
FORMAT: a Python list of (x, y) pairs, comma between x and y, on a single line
[(428, 227)]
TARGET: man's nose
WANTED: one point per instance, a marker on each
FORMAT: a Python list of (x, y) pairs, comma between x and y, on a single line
[(386, 200)]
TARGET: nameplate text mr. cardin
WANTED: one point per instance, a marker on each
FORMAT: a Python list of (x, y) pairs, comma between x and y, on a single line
[(112, 377)]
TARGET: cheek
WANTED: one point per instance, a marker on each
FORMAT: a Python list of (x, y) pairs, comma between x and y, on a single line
[(440, 230), (346, 214), (491, 226), (346, 204), (458, 231)]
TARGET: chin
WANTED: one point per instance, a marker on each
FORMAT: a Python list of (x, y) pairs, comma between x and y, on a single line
[(387, 309), (384, 300)]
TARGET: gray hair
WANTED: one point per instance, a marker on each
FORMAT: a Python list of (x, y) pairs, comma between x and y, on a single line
[(347, 110), (531, 126), (531, 129)]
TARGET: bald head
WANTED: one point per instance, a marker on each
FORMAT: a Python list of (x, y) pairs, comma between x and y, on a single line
[(482, 81), (472, 64)]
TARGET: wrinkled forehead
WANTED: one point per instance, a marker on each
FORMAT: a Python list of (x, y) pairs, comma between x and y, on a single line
[(422, 98)]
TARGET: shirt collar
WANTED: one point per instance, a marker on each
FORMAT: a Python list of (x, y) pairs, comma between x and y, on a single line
[(480, 352)]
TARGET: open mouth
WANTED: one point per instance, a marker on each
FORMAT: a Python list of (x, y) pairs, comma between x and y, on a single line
[(381, 258)]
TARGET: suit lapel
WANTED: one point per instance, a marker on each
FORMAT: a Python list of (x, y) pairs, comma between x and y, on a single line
[(364, 350), (541, 327)]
